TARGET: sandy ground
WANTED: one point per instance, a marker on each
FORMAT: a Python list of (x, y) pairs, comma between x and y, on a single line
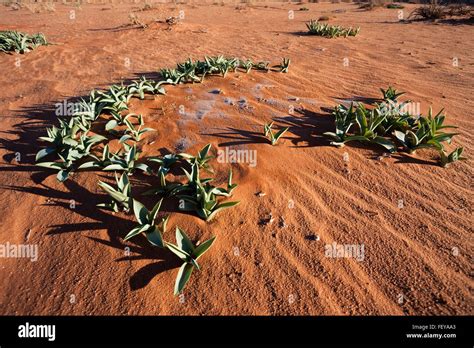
[(418, 255)]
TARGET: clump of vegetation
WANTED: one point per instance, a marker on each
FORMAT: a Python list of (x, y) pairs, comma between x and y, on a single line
[(285, 64), (304, 8), (121, 196), (189, 254), (273, 137), (72, 145), (386, 125), (431, 12), (327, 30), (16, 41), (147, 223), (435, 10), (200, 196)]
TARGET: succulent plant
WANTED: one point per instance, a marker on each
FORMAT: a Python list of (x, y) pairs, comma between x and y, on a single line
[(15, 41), (285, 64), (391, 93), (165, 188), (144, 86), (426, 133), (121, 197), (327, 30), (62, 139), (201, 158), (200, 196), (134, 133), (147, 223), (189, 254), (344, 120), (127, 161), (261, 66), (454, 156), (247, 65), (64, 168), (165, 162), (273, 137)]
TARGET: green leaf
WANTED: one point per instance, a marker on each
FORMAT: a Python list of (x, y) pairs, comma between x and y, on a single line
[(155, 210), (202, 248), (178, 252), (220, 207), (44, 153), (62, 175), (137, 230), (154, 237), (183, 276), (183, 241), (111, 125), (141, 213), (386, 143)]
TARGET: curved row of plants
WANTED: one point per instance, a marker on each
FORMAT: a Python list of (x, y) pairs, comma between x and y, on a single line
[(73, 146)]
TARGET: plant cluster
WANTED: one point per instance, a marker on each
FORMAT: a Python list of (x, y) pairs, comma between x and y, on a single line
[(436, 10), (74, 146), (387, 126), (16, 41), (327, 30), (195, 71)]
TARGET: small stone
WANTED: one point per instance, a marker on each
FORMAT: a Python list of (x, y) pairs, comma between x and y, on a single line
[(261, 194)]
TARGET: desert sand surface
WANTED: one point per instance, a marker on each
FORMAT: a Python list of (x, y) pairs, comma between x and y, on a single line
[(418, 253)]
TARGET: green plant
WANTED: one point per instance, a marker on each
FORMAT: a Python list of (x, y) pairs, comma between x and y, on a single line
[(165, 162), (285, 64), (426, 133), (344, 120), (201, 159), (200, 196), (98, 163), (452, 157), (144, 86), (304, 9), (117, 120), (171, 76), (115, 99), (368, 123), (273, 137), (189, 254), (146, 223), (327, 30), (62, 139), (121, 197), (127, 161), (391, 94), (134, 133), (165, 188), (67, 148), (247, 65), (15, 41), (261, 66)]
